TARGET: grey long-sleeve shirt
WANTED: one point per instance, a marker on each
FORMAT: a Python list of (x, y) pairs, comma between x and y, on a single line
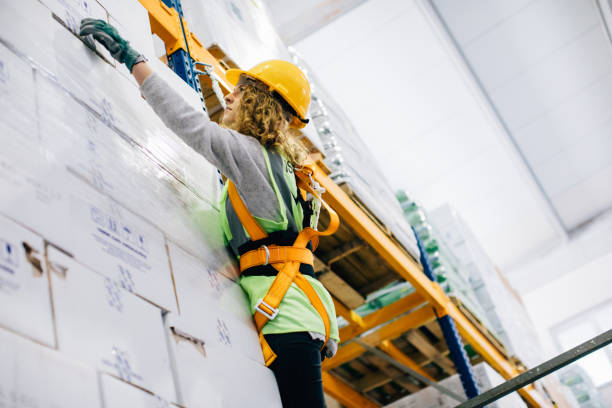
[(239, 157)]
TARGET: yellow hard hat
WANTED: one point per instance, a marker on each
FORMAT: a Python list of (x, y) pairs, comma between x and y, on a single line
[(286, 79)]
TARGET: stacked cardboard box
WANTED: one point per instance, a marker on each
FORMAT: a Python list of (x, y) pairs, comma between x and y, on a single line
[(486, 378), (243, 33), (241, 28), (503, 309), (112, 260)]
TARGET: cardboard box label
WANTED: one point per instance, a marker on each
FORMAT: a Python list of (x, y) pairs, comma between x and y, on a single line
[(212, 307), (220, 332), (24, 287), (117, 244), (206, 376), (201, 284), (105, 326), (8, 256)]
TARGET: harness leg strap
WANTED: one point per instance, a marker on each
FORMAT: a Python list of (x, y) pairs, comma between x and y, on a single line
[(262, 318), (316, 302), (268, 354)]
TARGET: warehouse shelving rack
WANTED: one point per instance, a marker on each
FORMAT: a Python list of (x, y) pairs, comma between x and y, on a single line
[(427, 304)]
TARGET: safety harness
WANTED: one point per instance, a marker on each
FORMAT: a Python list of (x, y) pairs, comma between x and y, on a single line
[(285, 259)]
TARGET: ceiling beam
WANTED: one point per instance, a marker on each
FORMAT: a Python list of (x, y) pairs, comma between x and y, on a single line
[(605, 13), (431, 11)]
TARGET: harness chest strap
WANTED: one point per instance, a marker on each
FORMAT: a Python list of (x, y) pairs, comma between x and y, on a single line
[(286, 260), (272, 254)]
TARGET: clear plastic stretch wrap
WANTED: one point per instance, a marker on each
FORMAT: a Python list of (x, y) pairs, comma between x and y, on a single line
[(351, 161), (85, 119), (502, 307), (445, 264), (242, 28), (113, 206)]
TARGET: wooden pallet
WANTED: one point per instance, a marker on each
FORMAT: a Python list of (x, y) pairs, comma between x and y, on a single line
[(481, 326), (355, 263), (384, 383)]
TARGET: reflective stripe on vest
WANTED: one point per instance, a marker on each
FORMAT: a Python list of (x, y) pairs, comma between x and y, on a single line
[(282, 181)]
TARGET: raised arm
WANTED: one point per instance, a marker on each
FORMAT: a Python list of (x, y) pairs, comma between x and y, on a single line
[(236, 155), (141, 71)]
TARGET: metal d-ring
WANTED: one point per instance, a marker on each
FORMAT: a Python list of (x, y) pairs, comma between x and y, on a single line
[(265, 247)]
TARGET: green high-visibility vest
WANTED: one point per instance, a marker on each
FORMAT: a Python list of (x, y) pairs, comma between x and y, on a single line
[(282, 181), (295, 311)]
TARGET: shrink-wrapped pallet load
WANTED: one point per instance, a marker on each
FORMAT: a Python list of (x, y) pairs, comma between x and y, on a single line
[(103, 209), (446, 265), (503, 309), (352, 164)]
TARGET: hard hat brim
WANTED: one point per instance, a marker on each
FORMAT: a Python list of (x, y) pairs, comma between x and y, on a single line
[(233, 76)]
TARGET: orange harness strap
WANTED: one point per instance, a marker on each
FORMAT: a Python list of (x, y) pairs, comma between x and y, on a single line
[(244, 215), (273, 254), (285, 259)]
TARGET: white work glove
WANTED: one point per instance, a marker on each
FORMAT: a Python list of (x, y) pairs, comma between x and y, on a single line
[(330, 349)]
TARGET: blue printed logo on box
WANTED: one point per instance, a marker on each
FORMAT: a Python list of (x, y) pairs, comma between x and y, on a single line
[(9, 258)]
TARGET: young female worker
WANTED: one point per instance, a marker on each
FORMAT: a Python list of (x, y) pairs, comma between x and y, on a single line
[(253, 150)]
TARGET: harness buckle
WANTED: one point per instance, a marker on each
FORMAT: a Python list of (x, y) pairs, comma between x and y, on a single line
[(258, 308), (265, 247), (315, 185)]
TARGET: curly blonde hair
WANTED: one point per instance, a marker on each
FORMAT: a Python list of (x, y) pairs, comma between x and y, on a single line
[(265, 116)]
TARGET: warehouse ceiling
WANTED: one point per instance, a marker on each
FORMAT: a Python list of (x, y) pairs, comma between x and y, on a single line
[(304, 17), (546, 67), (500, 108)]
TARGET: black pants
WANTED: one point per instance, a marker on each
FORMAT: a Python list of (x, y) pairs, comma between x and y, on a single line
[(297, 369)]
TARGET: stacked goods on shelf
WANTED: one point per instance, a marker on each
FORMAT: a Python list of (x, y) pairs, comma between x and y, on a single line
[(243, 29), (112, 256), (445, 264), (384, 297), (352, 163), (582, 388), (241, 34), (507, 317), (486, 378)]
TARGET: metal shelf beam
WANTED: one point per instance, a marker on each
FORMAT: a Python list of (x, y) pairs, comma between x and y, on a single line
[(168, 24), (381, 316), (407, 268), (449, 331), (351, 350), (344, 393)]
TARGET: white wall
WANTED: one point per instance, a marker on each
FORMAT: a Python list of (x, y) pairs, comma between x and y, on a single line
[(578, 291)]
